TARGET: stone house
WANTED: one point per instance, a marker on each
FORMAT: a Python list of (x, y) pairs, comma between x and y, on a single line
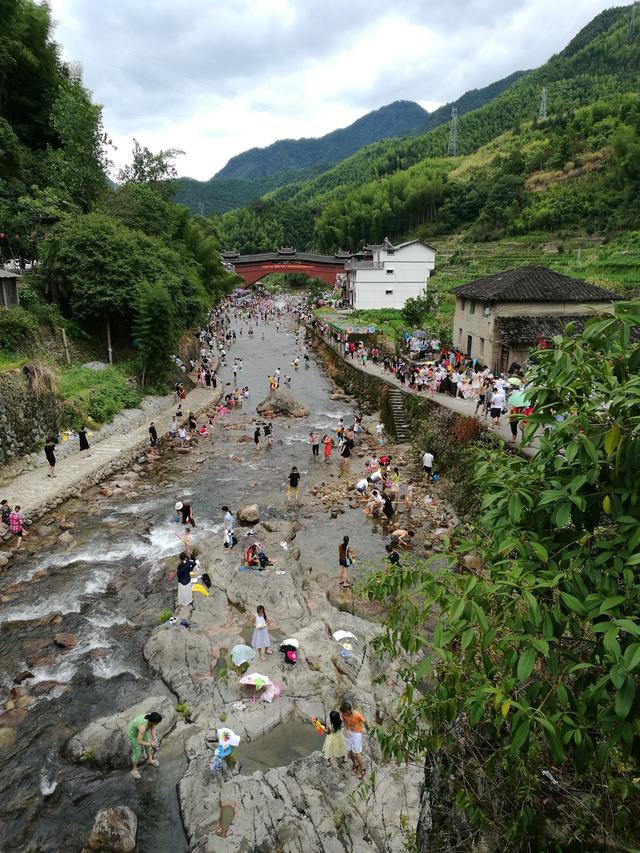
[(9, 289), (499, 317)]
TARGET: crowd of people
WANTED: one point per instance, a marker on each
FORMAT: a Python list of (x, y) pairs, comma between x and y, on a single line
[(451, 373)]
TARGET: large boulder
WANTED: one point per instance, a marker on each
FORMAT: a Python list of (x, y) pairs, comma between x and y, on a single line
[(249, 514), (105, 741), (114, 831), (282, 402)]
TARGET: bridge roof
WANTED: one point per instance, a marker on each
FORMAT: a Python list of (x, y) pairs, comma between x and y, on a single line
[(298, 257)]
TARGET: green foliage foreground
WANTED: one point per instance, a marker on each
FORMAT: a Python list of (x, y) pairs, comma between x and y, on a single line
[(525, 697)]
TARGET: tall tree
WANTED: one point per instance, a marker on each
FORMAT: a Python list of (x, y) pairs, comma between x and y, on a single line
[(155, 331)]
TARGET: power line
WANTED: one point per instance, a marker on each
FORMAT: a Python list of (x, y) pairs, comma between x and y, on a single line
[(452, 149)]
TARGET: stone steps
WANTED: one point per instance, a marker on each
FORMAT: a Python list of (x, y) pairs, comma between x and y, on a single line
[(398, 413)]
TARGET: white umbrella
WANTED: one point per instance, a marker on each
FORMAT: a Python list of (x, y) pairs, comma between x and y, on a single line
[(291, 641), (343, 635)]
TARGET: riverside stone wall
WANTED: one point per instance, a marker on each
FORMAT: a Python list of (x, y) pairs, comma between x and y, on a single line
[(25, 420), (371, 393)]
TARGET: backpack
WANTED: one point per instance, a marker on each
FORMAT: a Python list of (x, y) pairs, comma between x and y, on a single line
[(291, 657), (206, 580)]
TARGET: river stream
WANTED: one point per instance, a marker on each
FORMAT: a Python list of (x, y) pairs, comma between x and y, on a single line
[(109, 588)]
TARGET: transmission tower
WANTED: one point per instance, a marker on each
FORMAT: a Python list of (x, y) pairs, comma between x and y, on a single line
[(632, 22), (452, 150), (542, 112)]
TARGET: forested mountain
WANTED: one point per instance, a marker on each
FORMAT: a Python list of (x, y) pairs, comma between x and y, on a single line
[(130, 257), (471, 100), (285, 155), (260, 170), (579, 168)]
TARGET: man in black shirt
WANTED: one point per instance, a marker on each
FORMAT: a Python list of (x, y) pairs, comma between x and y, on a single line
[(186, 513), (393, 558), (153, 435), (294, 482)]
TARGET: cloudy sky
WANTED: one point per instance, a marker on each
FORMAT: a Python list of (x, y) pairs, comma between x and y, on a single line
[(215, 78)]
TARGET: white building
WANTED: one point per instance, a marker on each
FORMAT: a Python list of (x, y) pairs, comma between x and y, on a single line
[(386, 276)]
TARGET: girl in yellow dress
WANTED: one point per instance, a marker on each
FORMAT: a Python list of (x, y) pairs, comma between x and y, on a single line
[(334, 745)]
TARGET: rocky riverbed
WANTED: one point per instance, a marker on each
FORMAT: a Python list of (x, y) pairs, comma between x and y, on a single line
[(96, 576)]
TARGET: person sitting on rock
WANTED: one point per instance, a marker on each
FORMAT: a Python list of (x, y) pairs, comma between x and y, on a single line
[(256, 558)]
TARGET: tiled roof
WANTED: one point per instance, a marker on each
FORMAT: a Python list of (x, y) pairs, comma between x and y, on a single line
[(532, 284), (527, 331), (307, 257)]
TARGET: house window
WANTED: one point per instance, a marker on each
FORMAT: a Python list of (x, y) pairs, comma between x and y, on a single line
[(472, 307), (388, 293), (481, 346), (469, 344), (459, 334), (463, 304), (390, 271), (390, 252)]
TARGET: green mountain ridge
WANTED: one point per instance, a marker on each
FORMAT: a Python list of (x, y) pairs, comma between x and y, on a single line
[(395, 119), (259, 171), (577, 169)]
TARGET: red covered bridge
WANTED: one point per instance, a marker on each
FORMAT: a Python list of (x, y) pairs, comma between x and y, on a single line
[(254, 267)]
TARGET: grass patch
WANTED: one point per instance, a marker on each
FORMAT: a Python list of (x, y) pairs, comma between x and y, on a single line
[(11, 360), (95, 395)]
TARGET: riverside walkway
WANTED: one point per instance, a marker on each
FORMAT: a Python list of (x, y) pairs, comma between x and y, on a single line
[(35, 492), (456, 404)]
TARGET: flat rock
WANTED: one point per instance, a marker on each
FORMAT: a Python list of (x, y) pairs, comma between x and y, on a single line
[(114, 831), (304, 807), (106, 738)]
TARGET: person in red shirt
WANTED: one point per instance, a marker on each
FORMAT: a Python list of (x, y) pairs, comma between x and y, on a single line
[(353, 723), (15, 525)]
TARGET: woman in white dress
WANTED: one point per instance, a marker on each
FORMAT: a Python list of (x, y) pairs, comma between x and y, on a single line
[(261, 641)]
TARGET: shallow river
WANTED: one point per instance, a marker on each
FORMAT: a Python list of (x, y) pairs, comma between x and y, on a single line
[(109, 588)]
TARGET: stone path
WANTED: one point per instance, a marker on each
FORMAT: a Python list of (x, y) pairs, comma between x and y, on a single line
[(457, 404), (35, 492)]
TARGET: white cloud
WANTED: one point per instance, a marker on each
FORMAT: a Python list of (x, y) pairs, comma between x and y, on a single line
[(217, 78)]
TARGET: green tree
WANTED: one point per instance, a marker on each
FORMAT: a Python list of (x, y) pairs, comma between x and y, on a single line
[(415, 312), (149, 168), (533, 666), (155, 331), (79, 165)]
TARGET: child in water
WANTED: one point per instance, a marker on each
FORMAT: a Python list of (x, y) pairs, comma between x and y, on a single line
[(334, 745)]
